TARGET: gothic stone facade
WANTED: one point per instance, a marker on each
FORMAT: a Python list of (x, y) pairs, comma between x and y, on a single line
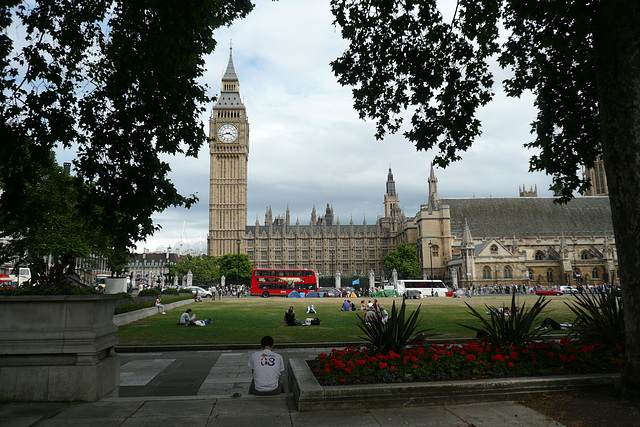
[(469, 241)]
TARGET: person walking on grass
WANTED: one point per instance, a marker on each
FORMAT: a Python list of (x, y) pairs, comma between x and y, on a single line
[(266, 369)]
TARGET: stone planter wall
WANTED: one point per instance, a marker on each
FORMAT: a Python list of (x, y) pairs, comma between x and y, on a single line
[(113, 285), (57, 348), (309, 395)]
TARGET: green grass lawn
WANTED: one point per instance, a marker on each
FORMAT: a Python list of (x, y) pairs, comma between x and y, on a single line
[(247, 320)]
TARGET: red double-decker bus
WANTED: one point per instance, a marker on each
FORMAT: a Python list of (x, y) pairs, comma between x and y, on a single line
[(267, 282)]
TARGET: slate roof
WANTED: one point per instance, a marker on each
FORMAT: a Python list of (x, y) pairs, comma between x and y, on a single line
[(229, 100), (530, 217)]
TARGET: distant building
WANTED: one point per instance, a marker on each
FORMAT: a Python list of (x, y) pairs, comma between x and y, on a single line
[(524, 240), (152, 268), (532, 192), (598, 179)]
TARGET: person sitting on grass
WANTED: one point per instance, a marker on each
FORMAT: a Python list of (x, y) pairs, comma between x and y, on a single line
[(290, 318), (371, 315), (187, 319), (346, 306), (266, 369), (384, 314)]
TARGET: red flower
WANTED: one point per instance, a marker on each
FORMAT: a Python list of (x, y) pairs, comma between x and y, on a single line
[(470, 357), (618, 361), (342, 380), (347, 370), (510, 364), (435, 357), (415, 366), (618, 347), (382, 365), (393, 368)]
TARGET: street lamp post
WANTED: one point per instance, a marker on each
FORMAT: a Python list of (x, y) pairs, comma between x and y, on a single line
[(431, 260), (238, 258), (331, 255)]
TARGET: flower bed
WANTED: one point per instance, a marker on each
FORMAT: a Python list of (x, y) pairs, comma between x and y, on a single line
[(470, 360)]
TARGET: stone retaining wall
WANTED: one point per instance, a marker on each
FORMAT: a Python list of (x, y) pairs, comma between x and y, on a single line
[(132, 316), (309, 395)]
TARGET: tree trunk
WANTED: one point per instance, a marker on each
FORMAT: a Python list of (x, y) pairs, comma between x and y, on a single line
[(617, 54)]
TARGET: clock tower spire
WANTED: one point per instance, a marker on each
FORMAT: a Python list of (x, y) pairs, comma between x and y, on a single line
[(229, 153)]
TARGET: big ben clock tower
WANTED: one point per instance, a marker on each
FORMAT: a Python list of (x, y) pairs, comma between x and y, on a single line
[(229, 151)]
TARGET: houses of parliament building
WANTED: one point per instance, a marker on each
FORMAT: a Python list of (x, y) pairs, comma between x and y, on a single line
[(526, 240)]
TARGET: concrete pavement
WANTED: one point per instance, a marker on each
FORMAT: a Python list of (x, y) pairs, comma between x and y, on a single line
[(209, 388)]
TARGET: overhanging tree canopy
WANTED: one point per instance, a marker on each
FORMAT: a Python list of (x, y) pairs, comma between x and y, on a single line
[(118, 82), (404, 259), (579, 58)]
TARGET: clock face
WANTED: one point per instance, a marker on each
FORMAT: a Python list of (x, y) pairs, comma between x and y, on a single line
[(227, 133)]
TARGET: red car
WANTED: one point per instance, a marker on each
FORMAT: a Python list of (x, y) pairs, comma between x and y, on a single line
[(549, 292)]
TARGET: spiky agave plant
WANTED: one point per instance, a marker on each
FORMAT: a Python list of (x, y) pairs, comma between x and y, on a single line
[(599, 318), (397, 333), (506, 331)]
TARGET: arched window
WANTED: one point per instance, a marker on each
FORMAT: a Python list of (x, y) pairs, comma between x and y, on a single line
[(539, 255), (434, 251), (595, 274), (494, 249), (486, 272), (507, 272), (549, 275), (584, 255)]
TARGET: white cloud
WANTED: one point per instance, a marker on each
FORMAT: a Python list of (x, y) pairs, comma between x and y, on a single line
[(307, 144)]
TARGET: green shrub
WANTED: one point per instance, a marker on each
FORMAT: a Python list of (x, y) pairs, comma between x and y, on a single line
[(395, 334), (149, 293), (185, 291), (170, 291), (125, 296), (50, 290), (507, 331), (599, 318)]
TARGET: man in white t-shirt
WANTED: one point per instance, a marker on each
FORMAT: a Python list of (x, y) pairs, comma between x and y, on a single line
[(267, 368)]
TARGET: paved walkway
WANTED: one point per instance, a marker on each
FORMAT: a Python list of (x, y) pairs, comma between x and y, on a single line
[(209, 388)]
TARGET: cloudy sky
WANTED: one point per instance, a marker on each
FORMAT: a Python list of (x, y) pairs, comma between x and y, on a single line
[(307, 145)]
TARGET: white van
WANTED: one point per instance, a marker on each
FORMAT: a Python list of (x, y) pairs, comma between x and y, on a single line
[(24, 275)]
